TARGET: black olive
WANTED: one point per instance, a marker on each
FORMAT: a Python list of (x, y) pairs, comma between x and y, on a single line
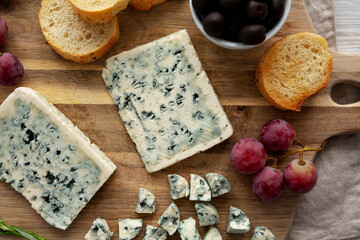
[(269, 23), (276, 8), (214, 24), (230, 36), (256, 10), (235, 23), (252, 34), (230, 5), (203, 7)]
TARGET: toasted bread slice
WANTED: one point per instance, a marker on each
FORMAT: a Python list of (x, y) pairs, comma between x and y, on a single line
[(157, 2), (292, 69), (145, 5), (72, 37), (98, 11)]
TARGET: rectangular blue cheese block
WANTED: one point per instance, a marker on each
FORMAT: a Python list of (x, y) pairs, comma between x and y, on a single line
[(166, 101), (47, 159)]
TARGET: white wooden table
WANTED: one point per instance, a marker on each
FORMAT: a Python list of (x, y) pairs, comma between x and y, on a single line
[(347, 23)]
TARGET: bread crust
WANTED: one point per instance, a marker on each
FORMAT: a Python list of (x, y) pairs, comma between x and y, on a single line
[(91, 56), (99, 16), (145, 5), (265, 65), (142, 5)]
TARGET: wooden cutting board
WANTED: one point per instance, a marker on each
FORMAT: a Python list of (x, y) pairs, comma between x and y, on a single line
[(79, 92)]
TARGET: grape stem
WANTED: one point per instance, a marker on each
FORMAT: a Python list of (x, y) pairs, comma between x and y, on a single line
[(274, 160), (304, 149), (299, 143)]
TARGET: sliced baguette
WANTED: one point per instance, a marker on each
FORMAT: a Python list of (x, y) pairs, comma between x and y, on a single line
[(144, 5), (292, 69), (72, 37), (98, 11)]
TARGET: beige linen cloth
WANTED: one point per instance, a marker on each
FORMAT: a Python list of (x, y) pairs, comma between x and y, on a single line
[(331, 211)]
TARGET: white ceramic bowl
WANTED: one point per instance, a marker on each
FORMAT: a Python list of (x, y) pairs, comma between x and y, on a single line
[(239, 45)]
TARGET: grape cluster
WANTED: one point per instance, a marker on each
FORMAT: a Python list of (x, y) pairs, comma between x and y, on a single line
[(11, 69), (249, 157)]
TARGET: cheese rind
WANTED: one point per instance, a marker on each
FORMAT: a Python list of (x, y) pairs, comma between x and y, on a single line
[(99, 231), (219, 185), (207, 214), (262, 233), (129, 228), (199, 189), (238, 222), (154, 233), (165, 100), (146, 202), (170, 219), (188, 231), (212, 234), (47, 159), (179, 187)]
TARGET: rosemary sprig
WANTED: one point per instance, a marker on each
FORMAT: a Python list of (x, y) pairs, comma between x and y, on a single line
[(16, 231)]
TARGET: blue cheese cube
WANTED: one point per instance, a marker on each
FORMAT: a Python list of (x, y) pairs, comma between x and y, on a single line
[(212, 234), (199, 189), (262, 233), (129, 228), (207, 214), (47, 159), (154, 233), (188, 231), (219, 185), (146, 202), (99, 231), (170, 219), (237, 221), (166, 101), (179, 187)]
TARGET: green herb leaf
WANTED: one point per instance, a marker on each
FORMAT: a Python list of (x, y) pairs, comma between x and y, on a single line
[(19, 232)]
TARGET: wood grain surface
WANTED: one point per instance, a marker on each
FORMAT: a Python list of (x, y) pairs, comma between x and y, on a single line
[(79, 92)]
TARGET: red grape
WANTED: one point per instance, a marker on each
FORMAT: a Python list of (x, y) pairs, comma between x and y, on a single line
[(11, 70), (277, 135), (248, 156), (268, 184), (300, 176), (3, 31)]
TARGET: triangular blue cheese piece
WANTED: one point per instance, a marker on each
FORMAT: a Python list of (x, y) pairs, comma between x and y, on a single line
[(99, 231)]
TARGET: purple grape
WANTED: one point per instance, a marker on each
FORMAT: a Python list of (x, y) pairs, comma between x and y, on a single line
[(248, 156), (277, 135), (3, 31), (300, 176), (268, 184), (11, 70)]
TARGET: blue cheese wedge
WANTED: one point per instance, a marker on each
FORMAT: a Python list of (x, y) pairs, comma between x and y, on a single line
[(199, 189), (188, 231), (262, 233), (170, 219), (154, 233), (219, 185), (165, 100), (179, 187), (212, 234), (207, 214), (146, 202), (99, 231), (237, 221), (47, 159), (129, 228)]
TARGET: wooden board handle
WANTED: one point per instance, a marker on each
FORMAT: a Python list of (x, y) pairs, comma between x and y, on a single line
[(346, 70)]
